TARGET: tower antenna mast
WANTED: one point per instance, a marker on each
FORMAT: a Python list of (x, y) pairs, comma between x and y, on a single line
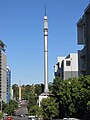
[(45, 10), (46, 52)]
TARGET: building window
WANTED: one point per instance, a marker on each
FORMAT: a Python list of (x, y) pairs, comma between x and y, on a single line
[(84, 32), (68, 63), (58, 65)]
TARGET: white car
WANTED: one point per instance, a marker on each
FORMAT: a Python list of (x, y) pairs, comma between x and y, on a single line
[(31, 117), (70, 119)]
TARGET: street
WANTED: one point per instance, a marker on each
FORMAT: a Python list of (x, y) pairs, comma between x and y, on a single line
[(22, 109), (22, 112), (20, 118)]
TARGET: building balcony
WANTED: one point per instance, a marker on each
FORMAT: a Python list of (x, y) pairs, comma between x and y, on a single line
[(57, 74), (83, 67), (81, 31), (83, 53)]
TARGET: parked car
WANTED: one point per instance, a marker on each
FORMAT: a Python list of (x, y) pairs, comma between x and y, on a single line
[(70, 119), (5, 115), (9, 118)]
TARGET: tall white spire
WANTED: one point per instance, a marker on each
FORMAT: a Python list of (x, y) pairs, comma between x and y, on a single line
[(45, 52)]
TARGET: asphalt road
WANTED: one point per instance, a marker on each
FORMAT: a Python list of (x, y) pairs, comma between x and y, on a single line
[(20, 118), (23, 109), (22, 112)]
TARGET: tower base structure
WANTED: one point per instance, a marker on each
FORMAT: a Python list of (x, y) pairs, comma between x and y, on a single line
[(42, 96)]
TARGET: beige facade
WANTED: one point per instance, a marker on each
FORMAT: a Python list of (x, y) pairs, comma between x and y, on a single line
[(67, 67), (3, 73)]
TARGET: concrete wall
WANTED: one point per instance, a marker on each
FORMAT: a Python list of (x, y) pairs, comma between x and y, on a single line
[(70, 74), (67, 71)]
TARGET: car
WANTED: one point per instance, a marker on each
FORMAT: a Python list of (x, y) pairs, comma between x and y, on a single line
[(70, 119), (5, 115), (19, 106), (65, 118), (22, 115), (73, 119), (9, 118), (31, 117)]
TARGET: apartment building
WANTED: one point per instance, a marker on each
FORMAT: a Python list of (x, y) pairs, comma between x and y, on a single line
[(3, 73), (67, 67), (83, 34)]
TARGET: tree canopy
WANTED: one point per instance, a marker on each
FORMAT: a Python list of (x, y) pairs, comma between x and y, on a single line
[(49, 108), (73, 95)]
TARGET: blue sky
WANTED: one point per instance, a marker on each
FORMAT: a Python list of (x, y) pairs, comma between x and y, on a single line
[(21, 29)]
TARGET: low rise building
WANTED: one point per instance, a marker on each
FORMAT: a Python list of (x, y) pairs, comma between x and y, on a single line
[(67, 67)]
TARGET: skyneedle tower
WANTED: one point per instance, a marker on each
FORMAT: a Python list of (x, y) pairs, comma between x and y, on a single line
[(45, 53), (45, 93)]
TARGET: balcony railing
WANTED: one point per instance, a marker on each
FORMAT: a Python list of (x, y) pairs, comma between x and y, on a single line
[(83, 68), (83, 52)]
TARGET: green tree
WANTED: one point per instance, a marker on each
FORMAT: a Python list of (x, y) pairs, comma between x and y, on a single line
[(32, 102), (4, 106), (15, 91), (39, 88), (83, 96), (50, 86), (10, 107), (49, 108), (32, 89), (58, 92), (36, 110), (72, 96), (1, 115), (26, 90), (33, 93)]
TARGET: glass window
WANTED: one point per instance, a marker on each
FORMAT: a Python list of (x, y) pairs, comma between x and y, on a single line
[(68, 63)]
